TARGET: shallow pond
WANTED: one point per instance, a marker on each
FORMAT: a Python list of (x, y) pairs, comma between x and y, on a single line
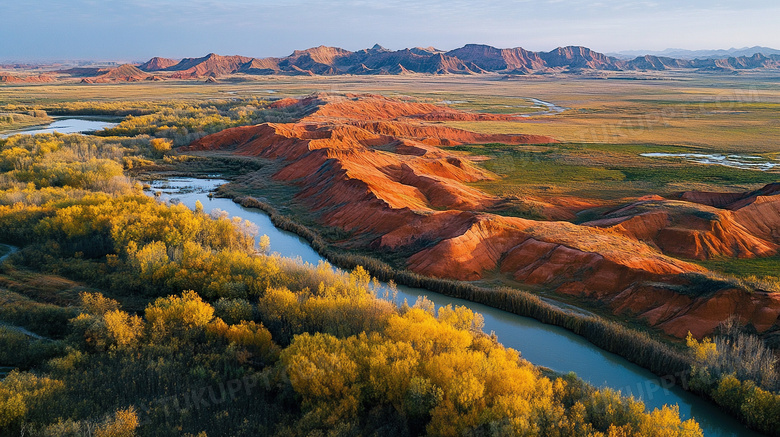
[(552, 108), (736, 161)]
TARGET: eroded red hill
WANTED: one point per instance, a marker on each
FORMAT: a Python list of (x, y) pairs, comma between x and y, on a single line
[(211, 65), (12, 78), (157, 63), (123, 73), (697, 231)]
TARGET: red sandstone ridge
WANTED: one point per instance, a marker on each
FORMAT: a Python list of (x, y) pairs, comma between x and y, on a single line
[(123, 73), (730, 201), (578, 57), (323, 55), (10, 78), (211, 65), (157, 64), (373, 167), (704, 225), (358, 110), (492, 59)]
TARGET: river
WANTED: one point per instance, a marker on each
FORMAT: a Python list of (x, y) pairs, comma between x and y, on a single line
[(64, 125), (541, 344)]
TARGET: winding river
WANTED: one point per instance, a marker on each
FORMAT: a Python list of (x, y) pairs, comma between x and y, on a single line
[(541, 344)]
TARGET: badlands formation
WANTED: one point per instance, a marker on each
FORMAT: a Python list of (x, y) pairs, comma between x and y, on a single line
[(381, 170)]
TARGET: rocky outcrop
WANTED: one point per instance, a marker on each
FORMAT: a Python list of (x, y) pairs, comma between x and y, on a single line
[(740, 63), (322, 55), (656, 63), (261, 67), (679, 313), (701, 225), (577, 58), (492, 59)]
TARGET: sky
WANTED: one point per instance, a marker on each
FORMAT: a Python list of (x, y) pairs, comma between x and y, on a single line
[(136, 30)]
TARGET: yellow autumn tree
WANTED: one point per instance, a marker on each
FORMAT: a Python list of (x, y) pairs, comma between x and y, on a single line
[(123, 423), (97, 304), (161, 145), (704, 351), (253, 338), (178, 314), (123, 329)]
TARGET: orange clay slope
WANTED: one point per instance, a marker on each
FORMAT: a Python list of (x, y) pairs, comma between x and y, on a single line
[(379, 169)]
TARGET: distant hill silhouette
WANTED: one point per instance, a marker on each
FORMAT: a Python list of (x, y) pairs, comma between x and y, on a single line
[(469, 59), (698, 54)]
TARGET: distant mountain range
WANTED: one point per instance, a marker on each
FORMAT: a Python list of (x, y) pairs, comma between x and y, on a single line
[(698, 54), (470, 59)]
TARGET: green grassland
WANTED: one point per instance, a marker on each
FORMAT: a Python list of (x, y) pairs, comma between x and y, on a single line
[(602, 171), (746, 266), (758, 273)]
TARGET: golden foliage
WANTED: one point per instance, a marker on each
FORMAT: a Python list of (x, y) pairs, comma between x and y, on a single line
[(122, 424), (425, 334), (161, 145), (96, 304), (252, 337), (704, 351), (424, 366), (23, 391), (124, 330), (462, 318)]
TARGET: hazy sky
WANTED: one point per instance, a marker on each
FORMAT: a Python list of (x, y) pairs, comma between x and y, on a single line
[(140, 29)]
